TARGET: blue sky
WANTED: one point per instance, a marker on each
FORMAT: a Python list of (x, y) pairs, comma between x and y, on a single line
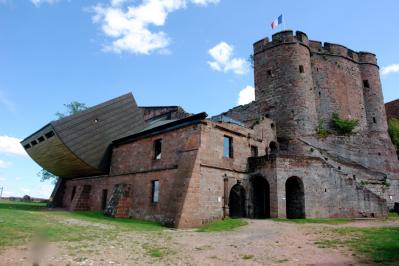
[(167, 52)]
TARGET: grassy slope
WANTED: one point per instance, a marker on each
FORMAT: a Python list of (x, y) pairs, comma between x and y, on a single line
[(22, 222)]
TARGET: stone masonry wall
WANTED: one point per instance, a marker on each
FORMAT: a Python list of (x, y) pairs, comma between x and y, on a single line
[(392, 109)]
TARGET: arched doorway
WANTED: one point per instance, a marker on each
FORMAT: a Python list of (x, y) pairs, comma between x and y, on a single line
[(260, 197), (295, 198), (237, 201)]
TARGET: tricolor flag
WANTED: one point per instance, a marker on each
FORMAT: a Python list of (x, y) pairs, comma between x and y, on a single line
[(277, 22)]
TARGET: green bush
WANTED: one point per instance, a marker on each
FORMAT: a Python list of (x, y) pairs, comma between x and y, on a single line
[(393, 129), (343, 126), (321, 130)]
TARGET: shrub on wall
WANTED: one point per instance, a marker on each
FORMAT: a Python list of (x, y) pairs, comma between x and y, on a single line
[(321, 131), (343, 126), (393, 129)]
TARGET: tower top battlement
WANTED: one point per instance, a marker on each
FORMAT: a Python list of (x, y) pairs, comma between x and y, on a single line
[(287, 37)]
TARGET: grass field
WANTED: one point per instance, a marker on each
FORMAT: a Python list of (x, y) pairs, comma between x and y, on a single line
[(222, 225), (20, 222)]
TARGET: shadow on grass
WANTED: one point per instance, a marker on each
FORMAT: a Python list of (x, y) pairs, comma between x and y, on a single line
[(22, 206)]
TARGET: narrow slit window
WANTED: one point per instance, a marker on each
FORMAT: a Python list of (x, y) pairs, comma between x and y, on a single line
[(269, 73), (228, 147), (157, 149), (104, 199), (366, 83), (155, 191), (73, 193), (301, 70), (374, 120)]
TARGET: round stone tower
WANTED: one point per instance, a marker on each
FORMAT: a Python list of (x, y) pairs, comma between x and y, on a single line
[(372, 92), (284, 86)]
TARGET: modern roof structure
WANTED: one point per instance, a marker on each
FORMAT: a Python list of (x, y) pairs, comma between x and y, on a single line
[(79, 145)]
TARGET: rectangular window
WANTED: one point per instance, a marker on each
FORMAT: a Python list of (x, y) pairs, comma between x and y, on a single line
[(374, 120), (40, 139), (366, 84), (254, 151), (155, 191), (301, 70), (33, 142), (49, 134), (157, 149), (27, 146), (228, 147)]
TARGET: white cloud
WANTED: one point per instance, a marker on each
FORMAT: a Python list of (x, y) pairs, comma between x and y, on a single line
[(5, 164), (246, 95), (129, 25), (390, 69), (205, 2), (25, 190), (37, 3), (11, 145), (2, 178), (223, 59)]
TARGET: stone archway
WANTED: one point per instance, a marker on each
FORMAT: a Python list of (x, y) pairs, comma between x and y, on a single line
[(260, 197), (295, 198), (237, 202)]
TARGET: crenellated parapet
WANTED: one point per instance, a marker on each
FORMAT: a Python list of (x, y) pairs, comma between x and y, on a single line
[(329, 49)]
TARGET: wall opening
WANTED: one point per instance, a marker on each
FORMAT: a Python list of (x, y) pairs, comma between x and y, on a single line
[(260, 198), (254, 151), (227, 147), (73, 193), (295, 198), (374, 120), (104, 199), (301, 70), (366, 83), (155, 191), (157, 149), (273, 147), (237, 202)]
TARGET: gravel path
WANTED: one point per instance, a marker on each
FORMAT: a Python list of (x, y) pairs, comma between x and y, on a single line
[(261, 242)]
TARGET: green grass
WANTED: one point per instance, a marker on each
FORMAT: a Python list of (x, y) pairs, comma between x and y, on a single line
[(247, 257), (222, 225), (314, 220), (381, 245), (21, 222)]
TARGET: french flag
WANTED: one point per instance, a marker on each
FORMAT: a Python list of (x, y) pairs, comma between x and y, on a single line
[(277, 22)]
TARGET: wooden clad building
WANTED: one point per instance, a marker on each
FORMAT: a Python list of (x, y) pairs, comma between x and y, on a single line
[(79, 145)]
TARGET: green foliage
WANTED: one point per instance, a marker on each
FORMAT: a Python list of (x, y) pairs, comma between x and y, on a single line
[(247, 256), (46, 175), (343, 126), (251, 60), (72, 108), (222, 225), (379, 244), (393, 129), (314, 220), (321, 130)]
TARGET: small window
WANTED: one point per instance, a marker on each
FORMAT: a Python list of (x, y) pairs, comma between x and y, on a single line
[(366, 84), (27, 146), (104, 199), (301, 70), (269, 73), (40, 139), (155, 191), (254, 151), (374, 120), (157, 149), (73, 193), (49, 134), (34, 142), (272, 125), (228, 147)]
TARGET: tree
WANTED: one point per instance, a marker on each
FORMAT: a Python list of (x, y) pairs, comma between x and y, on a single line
[(72, 108)]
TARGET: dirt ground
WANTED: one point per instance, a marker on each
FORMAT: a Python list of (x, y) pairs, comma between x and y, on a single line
[(261, 242)]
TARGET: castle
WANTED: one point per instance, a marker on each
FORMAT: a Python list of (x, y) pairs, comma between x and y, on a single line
[(264, 159)]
